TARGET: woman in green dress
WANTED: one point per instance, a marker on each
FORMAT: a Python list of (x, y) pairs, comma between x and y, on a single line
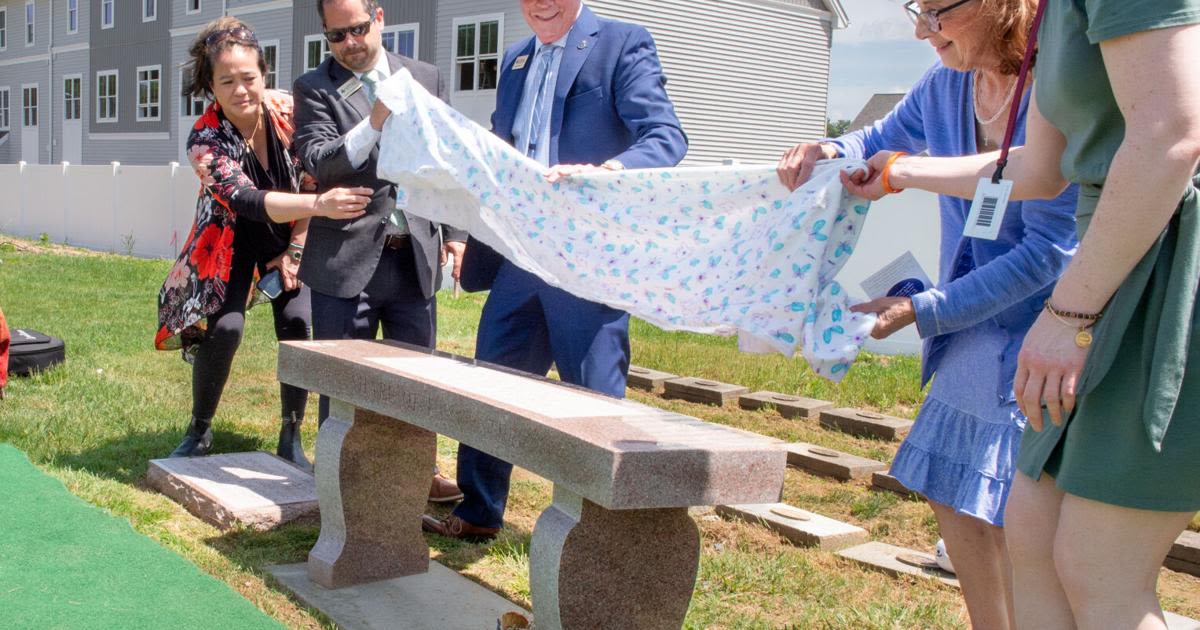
[(1109, 375)]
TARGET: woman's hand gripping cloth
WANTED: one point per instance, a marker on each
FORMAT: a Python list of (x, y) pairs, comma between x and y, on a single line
[(705, 249)]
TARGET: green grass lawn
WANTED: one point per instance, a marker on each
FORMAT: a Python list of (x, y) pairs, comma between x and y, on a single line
[(96, 421)]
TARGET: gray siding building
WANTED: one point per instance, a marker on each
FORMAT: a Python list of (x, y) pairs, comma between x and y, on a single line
[(96, 81)]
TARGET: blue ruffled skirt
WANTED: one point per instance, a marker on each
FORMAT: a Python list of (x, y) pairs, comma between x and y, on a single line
[(962, 450)]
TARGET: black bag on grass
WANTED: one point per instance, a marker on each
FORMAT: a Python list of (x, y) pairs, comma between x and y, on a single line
[(32, 351)]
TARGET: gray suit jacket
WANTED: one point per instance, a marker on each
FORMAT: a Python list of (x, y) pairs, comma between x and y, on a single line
[(340, 256)]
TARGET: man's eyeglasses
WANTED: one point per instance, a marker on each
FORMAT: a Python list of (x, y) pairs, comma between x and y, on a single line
[(932, 17), (239, 34), (338, 35)]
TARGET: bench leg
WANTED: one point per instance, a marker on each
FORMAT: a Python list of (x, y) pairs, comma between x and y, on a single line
[(372, 484), (595, 568)]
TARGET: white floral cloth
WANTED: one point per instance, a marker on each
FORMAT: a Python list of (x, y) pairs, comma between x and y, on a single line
[(714, 249)]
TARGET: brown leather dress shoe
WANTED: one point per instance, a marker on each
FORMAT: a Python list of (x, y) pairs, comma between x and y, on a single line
[(443, 490), (454, 527)]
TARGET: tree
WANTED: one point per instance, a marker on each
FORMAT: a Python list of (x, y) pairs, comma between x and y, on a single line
[(835, 128)]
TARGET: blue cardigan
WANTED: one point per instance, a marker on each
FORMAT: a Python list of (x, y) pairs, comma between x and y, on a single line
[(1006, 280)]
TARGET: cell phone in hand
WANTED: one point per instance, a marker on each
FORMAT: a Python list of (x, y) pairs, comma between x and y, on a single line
[(271, 284)]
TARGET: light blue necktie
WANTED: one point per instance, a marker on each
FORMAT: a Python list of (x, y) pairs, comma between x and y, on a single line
[(537, 112)]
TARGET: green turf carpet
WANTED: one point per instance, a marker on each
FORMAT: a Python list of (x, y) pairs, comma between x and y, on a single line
[(67, 564)]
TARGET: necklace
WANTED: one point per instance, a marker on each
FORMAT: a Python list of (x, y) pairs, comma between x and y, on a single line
[(1012, 90), (257, 125)]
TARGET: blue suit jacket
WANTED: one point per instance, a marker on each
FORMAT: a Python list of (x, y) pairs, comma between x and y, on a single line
[(610, 102)]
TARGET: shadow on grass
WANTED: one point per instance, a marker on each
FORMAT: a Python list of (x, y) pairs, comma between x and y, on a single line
[(127, 458)]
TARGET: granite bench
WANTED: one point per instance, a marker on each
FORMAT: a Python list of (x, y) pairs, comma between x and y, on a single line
[(616, 549)]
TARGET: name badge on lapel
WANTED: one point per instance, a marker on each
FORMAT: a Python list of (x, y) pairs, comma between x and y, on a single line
[(520, 62), (351, 86)]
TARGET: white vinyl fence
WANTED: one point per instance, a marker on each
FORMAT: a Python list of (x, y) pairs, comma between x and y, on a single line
[(147, 211)]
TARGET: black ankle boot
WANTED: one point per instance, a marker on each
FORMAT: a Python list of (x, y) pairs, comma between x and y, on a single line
[(290, 447), (196, 441)]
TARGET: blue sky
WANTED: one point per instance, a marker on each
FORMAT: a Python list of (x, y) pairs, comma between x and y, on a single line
[(877, 53)]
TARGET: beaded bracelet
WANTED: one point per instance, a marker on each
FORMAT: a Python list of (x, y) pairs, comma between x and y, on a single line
[(1083, 336), (1087, 317)]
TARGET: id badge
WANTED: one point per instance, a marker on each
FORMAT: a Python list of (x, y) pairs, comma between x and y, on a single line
[(988, 208)]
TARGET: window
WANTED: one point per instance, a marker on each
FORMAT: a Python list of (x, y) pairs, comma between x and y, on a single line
[(29, 18), (191, 106), (72, 16), (401, 39), (4, 109), (477, 53), (106, 96), (107, 14), (270, 51), (149, 82), (316, 49), (149, 10), (72, 98), (29, 105), (193, 6), (3, 28)]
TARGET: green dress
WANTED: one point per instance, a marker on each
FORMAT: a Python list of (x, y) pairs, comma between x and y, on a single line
[(1134, 438)]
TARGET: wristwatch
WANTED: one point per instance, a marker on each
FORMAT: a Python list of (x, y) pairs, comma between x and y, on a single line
[(295, 253)]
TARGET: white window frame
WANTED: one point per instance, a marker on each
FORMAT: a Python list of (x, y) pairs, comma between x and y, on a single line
[(112, 13), (5, 109), (78, 100), (183, 101), (153, 15), (454, 58), (72, 17), (324, 50), (415, 27), (138, 94), (25, 108), (116, 96), (264, 45), (188, 7), (30, 23), (4, 29)]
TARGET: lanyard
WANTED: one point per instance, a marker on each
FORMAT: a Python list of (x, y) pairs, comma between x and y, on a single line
[(1030, 46)]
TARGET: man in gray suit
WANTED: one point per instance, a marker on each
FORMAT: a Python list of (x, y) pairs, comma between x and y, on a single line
[(382, 268)]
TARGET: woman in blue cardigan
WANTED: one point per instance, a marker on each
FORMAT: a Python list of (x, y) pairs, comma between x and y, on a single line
[(962, 451)]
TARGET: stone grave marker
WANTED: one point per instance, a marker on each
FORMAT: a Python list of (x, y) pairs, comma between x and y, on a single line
[(831, 463), (787, 406), (258, 489), (801, 527), (1185, 554), (897, 561), (703, 391), (884, 481), (647, 379), (866, 423)]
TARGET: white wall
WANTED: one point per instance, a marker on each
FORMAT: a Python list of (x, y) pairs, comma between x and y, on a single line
[(148, 211)]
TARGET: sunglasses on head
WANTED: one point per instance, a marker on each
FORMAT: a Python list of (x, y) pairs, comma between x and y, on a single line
[(237, 33), (338, 35)]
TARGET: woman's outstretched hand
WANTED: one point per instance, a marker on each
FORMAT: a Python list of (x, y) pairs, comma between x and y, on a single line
[(342, 203), (892, 314), (796, 165)]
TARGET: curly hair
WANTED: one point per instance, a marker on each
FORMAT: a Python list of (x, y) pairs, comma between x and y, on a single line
[(198, 70), (1007, 30)]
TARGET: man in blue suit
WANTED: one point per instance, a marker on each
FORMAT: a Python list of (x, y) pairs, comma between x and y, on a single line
[(582, 94)]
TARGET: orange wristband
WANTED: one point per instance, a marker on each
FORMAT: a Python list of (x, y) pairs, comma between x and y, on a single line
[(883, 176)]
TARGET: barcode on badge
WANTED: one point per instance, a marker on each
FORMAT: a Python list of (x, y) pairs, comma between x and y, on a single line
[(987, 209), (987, 212)]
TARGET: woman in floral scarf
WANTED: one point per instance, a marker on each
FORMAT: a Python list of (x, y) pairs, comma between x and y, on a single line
[(250, 216)]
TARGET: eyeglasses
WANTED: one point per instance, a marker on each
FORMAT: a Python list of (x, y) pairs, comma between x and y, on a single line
[(237, 33), (338, 35), (932, 17)]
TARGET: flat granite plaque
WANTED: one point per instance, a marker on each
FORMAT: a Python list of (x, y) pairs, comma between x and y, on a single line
[(1186, 547), (866, 423), (896, 561), (257, 489), (801, 527), (830, 463), (703, 391), (788, 406), (647, 379), (438, 600), (884, 481)]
